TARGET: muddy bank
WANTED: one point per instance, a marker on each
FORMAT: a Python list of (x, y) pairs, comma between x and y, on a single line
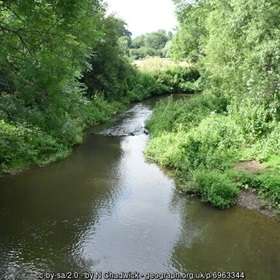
[(249, 199)]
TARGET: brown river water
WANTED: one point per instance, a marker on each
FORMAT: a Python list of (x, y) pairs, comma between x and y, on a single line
[(105, 208)]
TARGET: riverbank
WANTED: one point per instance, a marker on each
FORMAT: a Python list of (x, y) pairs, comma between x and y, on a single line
[(63, 70), (201, 140), (38, 139), (79, 213), (30, 146), (248, 198)]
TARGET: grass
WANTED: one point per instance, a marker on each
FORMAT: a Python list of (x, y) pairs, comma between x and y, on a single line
[(273, 163), (157, 64)]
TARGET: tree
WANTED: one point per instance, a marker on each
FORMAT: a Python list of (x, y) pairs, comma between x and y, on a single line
[(110, 69), (45, 44), (236, 43), (189, 39), (150, 44)]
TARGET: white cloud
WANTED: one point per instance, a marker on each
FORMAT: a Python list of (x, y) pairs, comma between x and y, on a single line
[(144, 15)]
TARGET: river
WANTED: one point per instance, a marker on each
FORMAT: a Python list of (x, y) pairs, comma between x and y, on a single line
[(105, 208)]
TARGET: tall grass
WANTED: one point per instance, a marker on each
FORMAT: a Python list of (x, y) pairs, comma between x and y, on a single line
[(157, 64)]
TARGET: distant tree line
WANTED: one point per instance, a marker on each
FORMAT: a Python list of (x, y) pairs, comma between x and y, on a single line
[(151, 44)]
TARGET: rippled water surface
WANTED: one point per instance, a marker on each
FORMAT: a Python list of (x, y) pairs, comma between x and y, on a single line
[(107, 209)]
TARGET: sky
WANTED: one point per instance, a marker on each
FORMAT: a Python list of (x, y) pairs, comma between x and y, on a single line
[(144, 15)]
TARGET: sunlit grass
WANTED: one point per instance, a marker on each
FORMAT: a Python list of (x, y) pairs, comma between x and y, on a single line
[(157, 64), (274, 163)]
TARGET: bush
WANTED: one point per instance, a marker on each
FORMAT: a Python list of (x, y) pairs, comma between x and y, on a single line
[(38, 136), (244, 179), (265, 147), (271, 188), (99, 110), (267, 184), (212, 144), (216, 188), (183, 114), (178, 79), (170, 77), (166, 149), (142, 86), (21, 145), (253, 117)]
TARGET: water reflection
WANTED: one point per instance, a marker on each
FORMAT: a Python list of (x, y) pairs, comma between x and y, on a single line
[(232, 240), (141, 231), (106, 208), (44, 212)]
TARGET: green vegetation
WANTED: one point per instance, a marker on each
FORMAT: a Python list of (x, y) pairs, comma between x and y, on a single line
[(46, 48), (65, 66), (169, 77), (235, 45), (266, 184), (27, 142), (151, 44), (215, 187)]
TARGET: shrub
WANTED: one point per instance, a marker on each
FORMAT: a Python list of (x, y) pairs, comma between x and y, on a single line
[(271, 188), (166, 149), (216, 188), (178, 79), (38, 136), (212, 144), (265, 147), (100, 110), (245, 179), (144, 85), (267, 184), (271, 144), (21, 145), (184, 114), (253, 117), (170, 77)]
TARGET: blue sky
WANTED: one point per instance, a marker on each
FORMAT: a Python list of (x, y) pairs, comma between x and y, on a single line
[(144, 15)]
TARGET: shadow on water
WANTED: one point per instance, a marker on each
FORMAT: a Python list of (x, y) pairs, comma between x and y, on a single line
[(44, 212), (105, 208)]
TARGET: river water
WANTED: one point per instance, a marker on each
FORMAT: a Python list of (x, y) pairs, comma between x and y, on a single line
[(107, 209)]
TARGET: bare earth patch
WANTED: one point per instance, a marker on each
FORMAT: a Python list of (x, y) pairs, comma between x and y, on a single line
[(250, 200), (251, 166)]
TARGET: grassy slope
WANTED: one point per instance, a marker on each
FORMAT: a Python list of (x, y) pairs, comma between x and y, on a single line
[(203, 141)]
